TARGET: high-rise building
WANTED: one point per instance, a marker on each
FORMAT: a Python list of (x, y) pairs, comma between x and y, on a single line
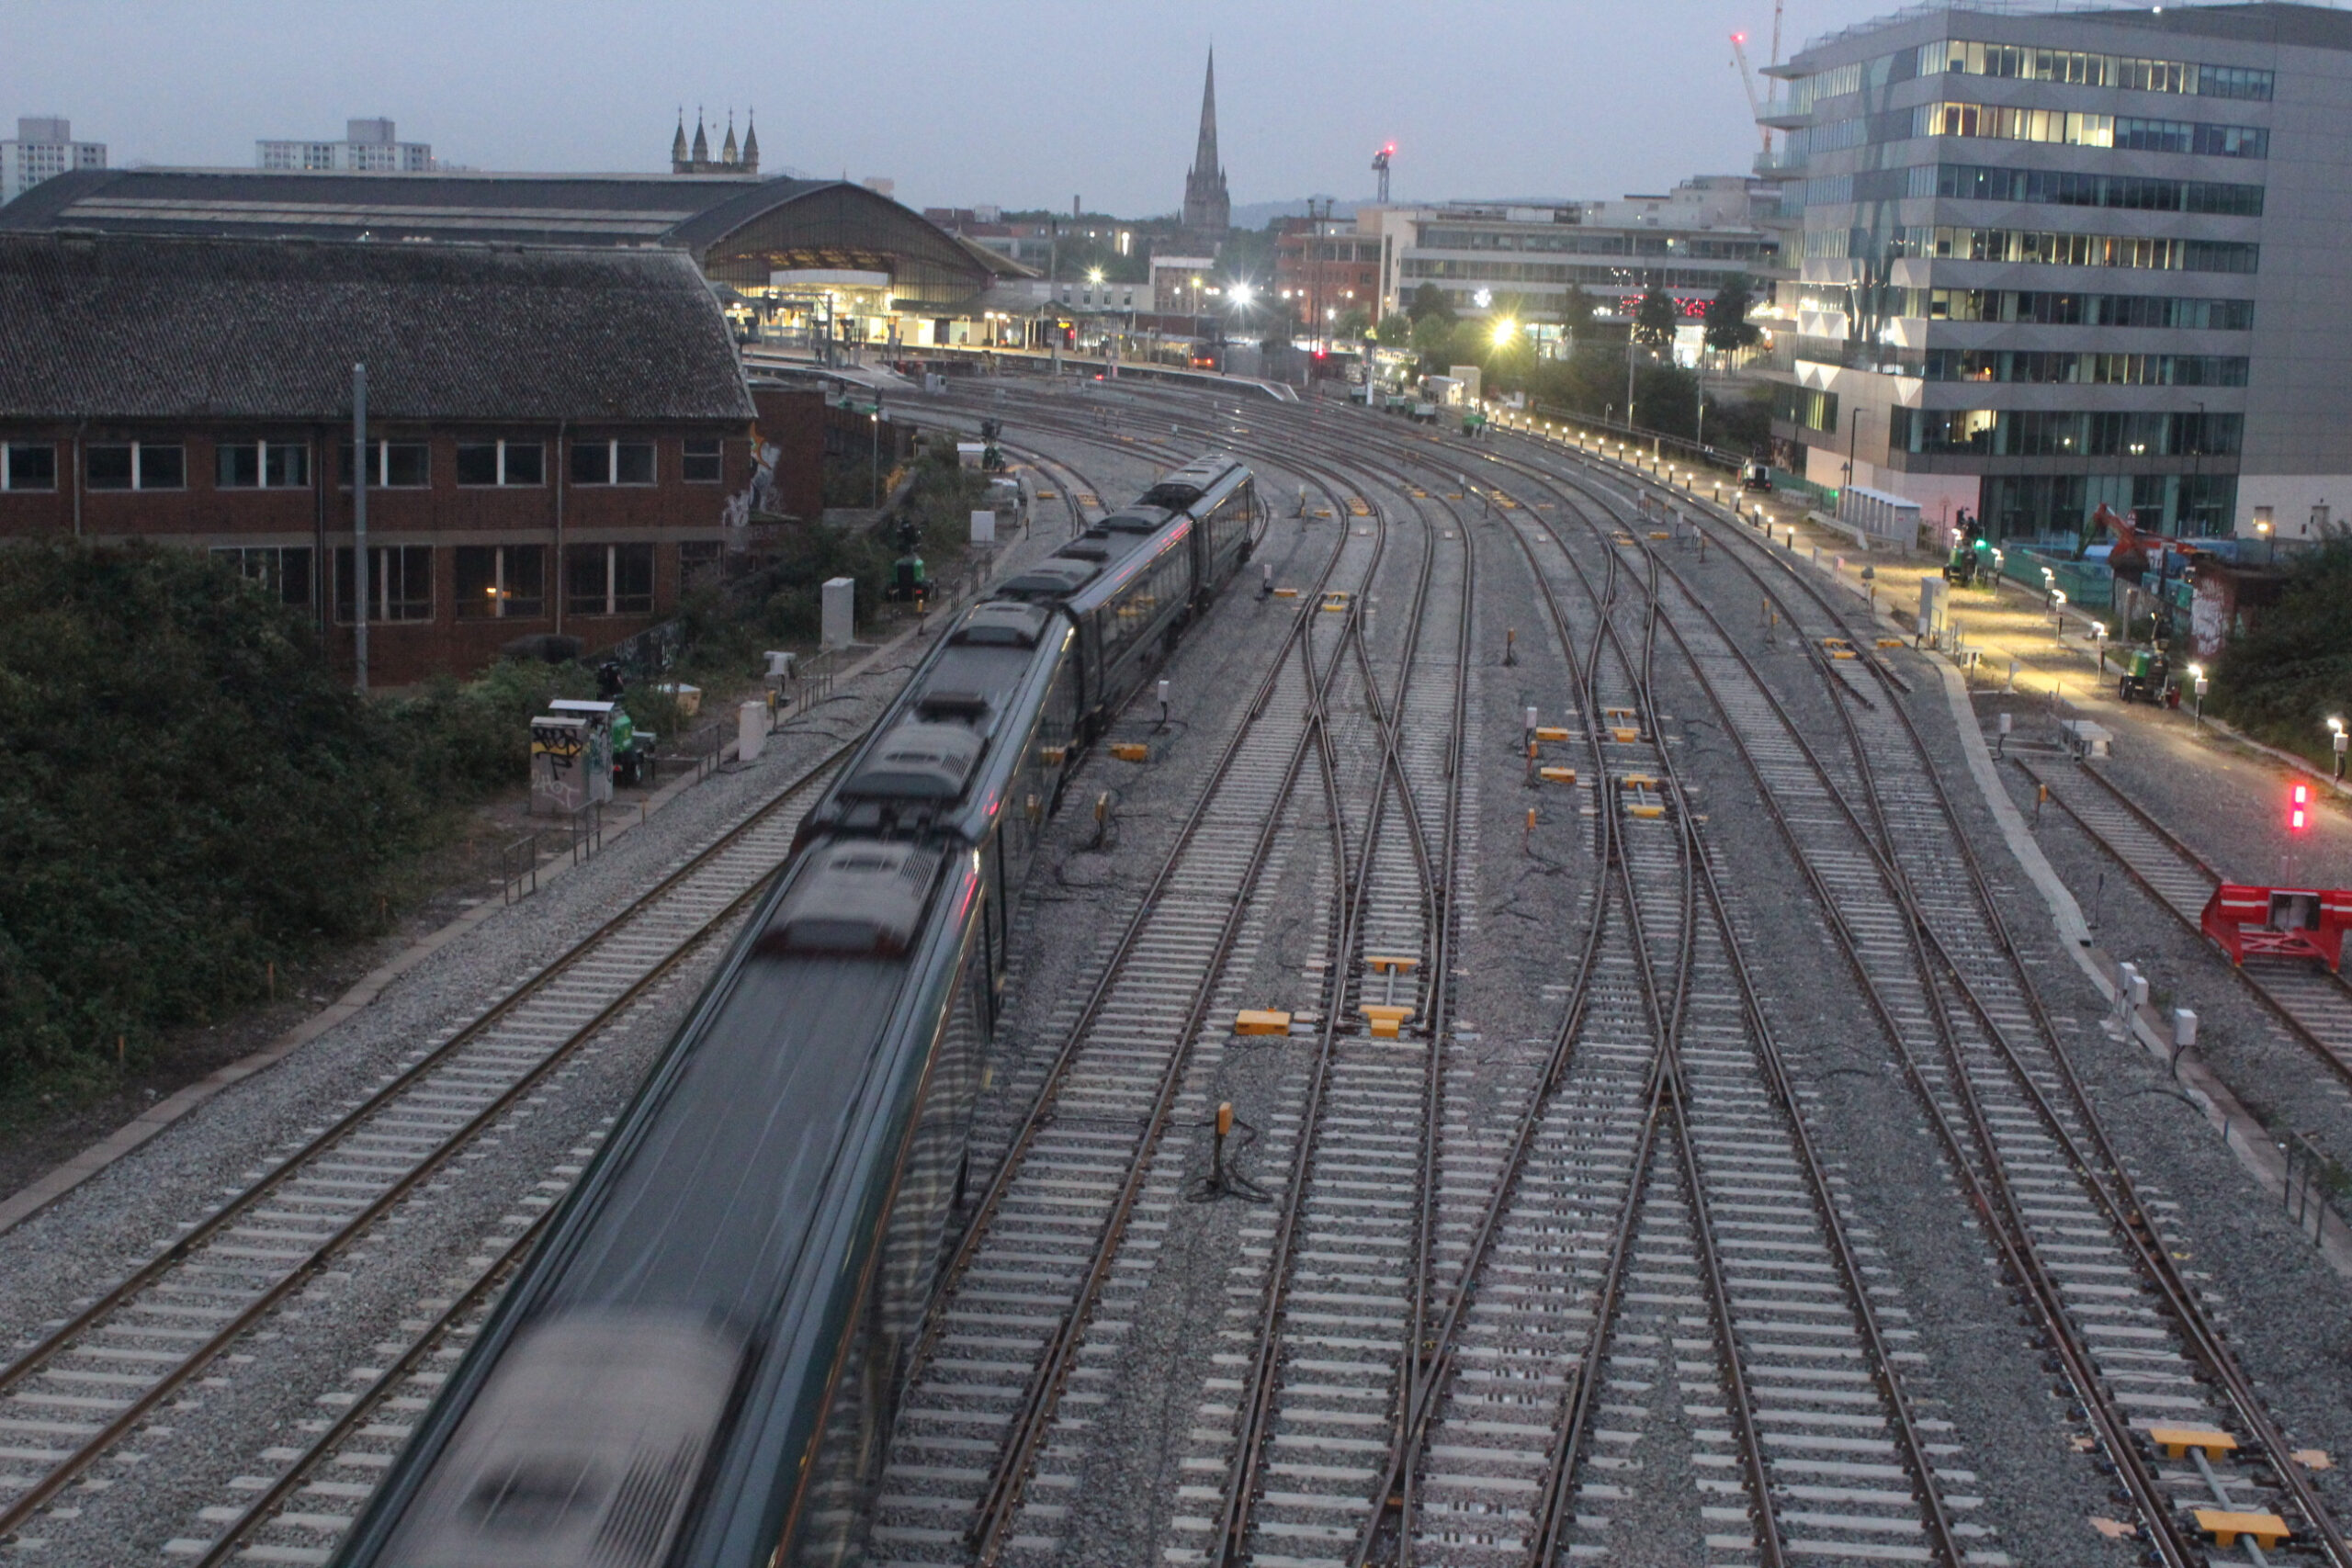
[(1208, 211), (2046, 261), (44, 147), (368, 147)]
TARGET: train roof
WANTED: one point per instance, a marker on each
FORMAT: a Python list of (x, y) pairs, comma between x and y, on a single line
[(934, 755), (1186, 485), (674, 1308)]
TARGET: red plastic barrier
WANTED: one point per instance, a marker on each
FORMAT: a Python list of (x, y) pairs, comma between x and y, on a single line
[(2279, 922)]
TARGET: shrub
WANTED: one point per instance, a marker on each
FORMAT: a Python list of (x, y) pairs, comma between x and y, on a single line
[(2293, 668), (192, 796)]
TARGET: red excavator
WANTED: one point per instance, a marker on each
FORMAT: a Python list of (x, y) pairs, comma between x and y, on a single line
[(2133, 544)]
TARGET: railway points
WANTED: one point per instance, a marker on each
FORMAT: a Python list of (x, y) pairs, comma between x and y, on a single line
[(1694, 1155)]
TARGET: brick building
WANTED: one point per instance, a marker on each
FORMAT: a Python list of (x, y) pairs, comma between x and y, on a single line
[(1325, 268), (558, 439)]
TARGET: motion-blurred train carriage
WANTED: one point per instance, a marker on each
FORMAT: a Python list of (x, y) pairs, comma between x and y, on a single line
[(701, 1362)]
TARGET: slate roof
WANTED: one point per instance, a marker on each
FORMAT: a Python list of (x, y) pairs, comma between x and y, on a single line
[(138, 327), (561, 209)]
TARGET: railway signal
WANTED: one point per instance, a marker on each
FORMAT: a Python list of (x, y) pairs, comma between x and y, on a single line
[(2298, 809)]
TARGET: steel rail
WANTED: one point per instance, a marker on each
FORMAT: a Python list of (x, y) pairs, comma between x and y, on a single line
[(1236, 1512), (22, 1507), (1388, 1527), (2100, 1168), (1912, 1446), (1000, 1502), (1989, 1190), (364, 1407), (2337, 1061)]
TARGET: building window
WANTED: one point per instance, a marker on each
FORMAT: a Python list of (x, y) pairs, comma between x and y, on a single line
[(135, 464), (608, 580), (502, 463), (702, 563), (612, 462), (391, 465), (399, 583), (700, 463), (29, 465), (500, 582), (283, 574), (260, 465)]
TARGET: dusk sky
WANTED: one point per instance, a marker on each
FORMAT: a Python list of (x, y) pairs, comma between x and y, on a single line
[(1024, 103)]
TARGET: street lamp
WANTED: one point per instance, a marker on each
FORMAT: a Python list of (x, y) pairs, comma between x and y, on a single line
[(2098, 646), (2340, 740), (2196, 674), (2058, 614)]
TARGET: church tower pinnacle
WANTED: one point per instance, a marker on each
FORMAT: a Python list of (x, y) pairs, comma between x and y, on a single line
[(1208, 210)]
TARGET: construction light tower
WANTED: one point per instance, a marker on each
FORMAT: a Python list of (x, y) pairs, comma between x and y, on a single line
[(1379, 167)]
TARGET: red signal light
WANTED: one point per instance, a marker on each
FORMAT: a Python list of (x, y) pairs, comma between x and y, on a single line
[(2299, 803)]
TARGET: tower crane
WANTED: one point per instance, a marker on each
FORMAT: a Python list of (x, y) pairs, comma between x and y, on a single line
[(1748, 80), (1379, 167)]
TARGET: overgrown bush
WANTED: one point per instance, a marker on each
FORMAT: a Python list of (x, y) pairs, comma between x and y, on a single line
[(189, 796), (2293, 668)]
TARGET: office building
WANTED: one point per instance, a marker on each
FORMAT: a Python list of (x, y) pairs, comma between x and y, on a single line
[(1488, 256), (44, 148), (2053, 259), (368, 147)]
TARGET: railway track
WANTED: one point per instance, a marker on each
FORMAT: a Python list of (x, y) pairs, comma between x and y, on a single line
[(73, 1399), (2312, 1003), (2002, 1097), (1030, 1296), (1343, 1286), (307, 1496)]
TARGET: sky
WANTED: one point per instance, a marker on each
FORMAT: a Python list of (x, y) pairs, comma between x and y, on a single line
[(1018, 102)]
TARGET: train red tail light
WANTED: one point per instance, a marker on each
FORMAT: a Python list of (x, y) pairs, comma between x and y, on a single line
[(2298, 809)]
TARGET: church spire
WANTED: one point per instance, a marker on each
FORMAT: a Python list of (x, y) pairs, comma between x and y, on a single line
[(1208, 210), (702, 141), (1204, 159), (750, 145), (678, 145), (727, 154)]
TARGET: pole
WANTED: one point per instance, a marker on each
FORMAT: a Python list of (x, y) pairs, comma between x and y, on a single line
[(359, 521), (1629, 378)]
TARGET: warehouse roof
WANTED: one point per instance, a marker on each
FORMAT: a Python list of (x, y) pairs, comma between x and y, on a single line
[(118, 327), (737, 228)]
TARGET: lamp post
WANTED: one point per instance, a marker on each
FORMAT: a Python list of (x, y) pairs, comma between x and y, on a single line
[(2340, 741), (2197, 675), (2098, 646)]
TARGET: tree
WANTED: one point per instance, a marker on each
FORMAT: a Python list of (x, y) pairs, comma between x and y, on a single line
[(1656, 318), (1576, 311), (1354, 323), (1728, 328), (1429, 300), (1433, 337), (1394, 330)]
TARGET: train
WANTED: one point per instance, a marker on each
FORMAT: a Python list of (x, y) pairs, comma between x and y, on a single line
[(701, 1361)]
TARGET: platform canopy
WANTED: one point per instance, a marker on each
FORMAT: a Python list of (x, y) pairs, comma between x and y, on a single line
[(740, 231)]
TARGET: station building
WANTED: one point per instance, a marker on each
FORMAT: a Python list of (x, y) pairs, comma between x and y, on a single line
[(1484, 258), (557, 442), (823, 265), (2047, 261)]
